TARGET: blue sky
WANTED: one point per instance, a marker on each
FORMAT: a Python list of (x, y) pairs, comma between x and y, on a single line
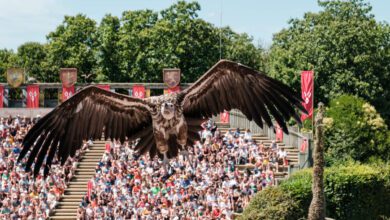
[(31, 20)]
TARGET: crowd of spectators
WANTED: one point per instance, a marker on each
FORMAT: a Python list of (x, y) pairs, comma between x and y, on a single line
[(223, 173), (22, 196)]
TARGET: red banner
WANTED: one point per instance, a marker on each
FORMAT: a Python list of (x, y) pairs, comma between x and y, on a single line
[(279, 133), (105, 87), (67, 92), (32, 96), (224, 117), (108, 147), (307, 87), (1, 96), (139, 91), (89, 189), (174, 89), (304, 146)]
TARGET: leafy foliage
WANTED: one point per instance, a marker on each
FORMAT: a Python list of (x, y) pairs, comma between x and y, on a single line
[(271, 203), (31, 56), (135, 47), (345, 46), (108, 57), (73, 44), (355, 131), (352, 191), (4, 63)]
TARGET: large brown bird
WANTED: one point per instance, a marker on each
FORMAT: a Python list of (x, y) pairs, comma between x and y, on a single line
[(163, 125)]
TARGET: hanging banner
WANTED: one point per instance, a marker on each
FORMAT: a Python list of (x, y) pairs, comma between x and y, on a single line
[(224, 117), (1, 96), (67, 92), (108, 147), (171, 77), (32, 96), (5, 97), (89, 189), (105, 87), (68, 76), (15, 77), (139, 91), (304, 146), (279, 133), (307, 88), (173, 90)]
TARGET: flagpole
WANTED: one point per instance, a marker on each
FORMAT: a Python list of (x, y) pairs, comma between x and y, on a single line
[(312, 117)]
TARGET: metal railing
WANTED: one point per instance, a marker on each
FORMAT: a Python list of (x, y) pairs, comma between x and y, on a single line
[(112, 85), (56, 89)]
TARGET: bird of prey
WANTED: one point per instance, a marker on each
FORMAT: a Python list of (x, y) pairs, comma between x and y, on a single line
[(162, 125)]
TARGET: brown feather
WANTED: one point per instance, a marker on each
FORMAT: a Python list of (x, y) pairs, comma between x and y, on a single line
[(67, 128)]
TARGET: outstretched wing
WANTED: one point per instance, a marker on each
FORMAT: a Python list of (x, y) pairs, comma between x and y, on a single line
[(229, 85), (85, 115)]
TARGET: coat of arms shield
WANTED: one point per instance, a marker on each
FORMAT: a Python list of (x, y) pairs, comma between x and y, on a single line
[(15, 77), (68, 76), (171, 77)]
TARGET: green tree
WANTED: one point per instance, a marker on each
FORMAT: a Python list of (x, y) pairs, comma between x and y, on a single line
[(4, 63), (32, 55), (240, 48), (355, 131), (134, 45), (177, 38), (345, 46), (192, 43), (109, 56), (73, 44)]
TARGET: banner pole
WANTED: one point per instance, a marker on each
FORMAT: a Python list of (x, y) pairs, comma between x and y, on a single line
[(312, 103)]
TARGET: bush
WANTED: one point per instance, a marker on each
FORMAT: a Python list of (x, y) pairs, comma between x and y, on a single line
[(352, 192), (271, 203), (355, 131)]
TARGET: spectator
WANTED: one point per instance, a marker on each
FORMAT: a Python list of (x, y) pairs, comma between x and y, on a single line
[(22, 196), (227, 171)]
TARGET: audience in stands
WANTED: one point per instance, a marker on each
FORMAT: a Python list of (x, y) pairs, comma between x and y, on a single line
[(23, 197), (223, 173)]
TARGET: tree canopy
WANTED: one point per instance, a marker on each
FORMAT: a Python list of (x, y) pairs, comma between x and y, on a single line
[(345, 46), (134, 47)]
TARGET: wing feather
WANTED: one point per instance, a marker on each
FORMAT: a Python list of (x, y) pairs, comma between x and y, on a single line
[(81, 117), (229, 85)]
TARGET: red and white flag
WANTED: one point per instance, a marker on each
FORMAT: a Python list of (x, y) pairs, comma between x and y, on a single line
[(67, 92), (105, 87), (224, 116), (1, 96), (32, 96), (89, 189), (304, 146), (307, 87), (108, 147), (139, 91), (279, 133)]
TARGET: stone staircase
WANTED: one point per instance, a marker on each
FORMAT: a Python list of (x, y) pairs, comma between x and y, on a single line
[(68, 204)]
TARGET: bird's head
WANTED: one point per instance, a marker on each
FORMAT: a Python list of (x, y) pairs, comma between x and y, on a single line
[(168, 110)]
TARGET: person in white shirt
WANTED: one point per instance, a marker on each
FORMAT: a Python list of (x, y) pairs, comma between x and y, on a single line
[(248, 135)]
